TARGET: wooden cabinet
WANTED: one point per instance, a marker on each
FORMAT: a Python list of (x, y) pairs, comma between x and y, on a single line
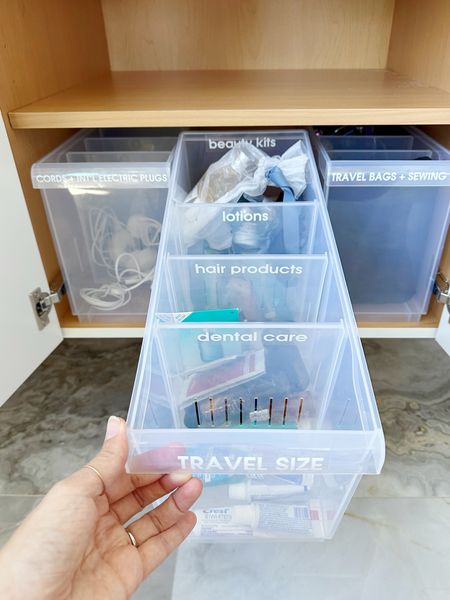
[(217, 63)]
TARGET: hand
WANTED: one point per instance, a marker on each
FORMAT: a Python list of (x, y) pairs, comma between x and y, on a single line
[(74, 545)]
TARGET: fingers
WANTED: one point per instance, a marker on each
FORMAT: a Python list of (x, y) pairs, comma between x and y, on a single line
[(154, 551), (126, 483), (140, 497), (167, 526), (157, 460), (109, 462), (167, 514)]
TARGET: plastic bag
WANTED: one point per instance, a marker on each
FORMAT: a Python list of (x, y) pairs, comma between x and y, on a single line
[(242, 170)]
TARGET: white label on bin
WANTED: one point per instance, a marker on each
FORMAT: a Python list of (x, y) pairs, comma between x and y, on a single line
[(237, 269), (250, 463), (259, 142), (145, 177), (252, 336), (241, 216), (420, 175)]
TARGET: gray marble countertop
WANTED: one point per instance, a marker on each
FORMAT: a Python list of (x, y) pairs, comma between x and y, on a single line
[(393, 543)]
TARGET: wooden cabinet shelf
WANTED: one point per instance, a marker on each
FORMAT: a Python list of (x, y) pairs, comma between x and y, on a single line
[(197, 63), (238, 98)]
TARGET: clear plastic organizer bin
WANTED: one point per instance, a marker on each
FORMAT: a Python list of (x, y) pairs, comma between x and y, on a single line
[(105, 199), (245, 229), (263, 288), (388, 200), (251, 373), (137, 144)]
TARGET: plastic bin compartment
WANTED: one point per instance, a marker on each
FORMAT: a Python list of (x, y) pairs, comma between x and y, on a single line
[(320, 438), (250, 228), (248, 374), (200, 150), (260, 507), (249, 404), (129, 144), (262, 288), (239, 227), (372, 142), (117, 156), (380, 154), (105, 212), (389, 209)]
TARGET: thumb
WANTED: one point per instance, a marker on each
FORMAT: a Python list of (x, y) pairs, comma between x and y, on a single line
[(108, 464)]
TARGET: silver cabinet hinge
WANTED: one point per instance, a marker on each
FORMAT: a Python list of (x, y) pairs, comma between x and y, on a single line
[(442, 289), (42, 303)]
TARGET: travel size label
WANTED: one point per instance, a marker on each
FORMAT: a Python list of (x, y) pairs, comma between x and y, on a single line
[(250, 463)]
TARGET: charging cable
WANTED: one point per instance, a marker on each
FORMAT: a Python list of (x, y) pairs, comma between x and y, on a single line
[(127, 251)]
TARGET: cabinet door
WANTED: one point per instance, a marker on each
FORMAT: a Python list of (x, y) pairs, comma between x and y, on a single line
[(443, 333), (23, 346)]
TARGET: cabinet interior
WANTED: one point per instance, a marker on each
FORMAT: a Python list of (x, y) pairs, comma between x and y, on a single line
[(199, 63)]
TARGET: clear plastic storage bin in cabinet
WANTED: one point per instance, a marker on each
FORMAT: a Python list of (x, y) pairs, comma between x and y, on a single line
[(251, 373), (105, 199), (388, 200)]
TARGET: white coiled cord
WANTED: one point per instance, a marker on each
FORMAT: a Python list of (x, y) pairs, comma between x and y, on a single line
[(132, 267)]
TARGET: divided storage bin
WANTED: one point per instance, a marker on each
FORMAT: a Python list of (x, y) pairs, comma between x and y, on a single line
[(388, 200), (273, 409), (105, 199)]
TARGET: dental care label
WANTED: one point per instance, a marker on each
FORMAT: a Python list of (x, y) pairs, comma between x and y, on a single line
[(419, 175), (247, 269), (250, 463), (252, 336)]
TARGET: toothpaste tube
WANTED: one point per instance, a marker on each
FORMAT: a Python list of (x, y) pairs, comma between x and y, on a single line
[(261, 519), (211, 479), (254, 490), (222, 315)]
